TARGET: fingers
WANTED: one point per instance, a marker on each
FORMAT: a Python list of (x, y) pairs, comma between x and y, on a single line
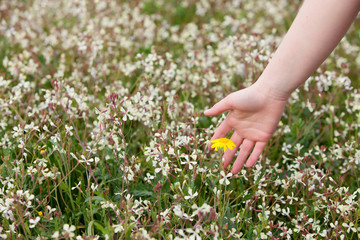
[(219, 107), (244, 152), (229, 154), (259, 147), (221, 131)]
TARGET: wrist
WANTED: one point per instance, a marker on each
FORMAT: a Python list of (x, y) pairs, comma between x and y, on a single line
[(272, 89)]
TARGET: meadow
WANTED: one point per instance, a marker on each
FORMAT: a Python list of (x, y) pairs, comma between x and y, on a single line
[(103, 136)]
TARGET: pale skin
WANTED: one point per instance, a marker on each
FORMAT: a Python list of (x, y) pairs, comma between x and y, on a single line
[(254, 112)]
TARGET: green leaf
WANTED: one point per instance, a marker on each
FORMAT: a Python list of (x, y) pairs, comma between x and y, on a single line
[(90, 227), (64, 187), (101, 228), (142, 193), (109, 151), (198, 182), (143, 190), (6, 152), (96, 198)]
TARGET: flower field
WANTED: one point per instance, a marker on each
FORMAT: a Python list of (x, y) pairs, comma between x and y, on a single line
[(103, 136)]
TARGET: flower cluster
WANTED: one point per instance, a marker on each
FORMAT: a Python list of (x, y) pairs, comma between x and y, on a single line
[(102, 134)]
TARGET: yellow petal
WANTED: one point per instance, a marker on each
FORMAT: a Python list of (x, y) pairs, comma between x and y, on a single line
[(223, 143)]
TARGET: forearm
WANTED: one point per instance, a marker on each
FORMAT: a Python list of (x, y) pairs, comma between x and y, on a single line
[(315, 32)]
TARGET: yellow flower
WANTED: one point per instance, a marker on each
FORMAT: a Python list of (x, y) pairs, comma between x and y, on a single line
[(222, 143), (40, 213), (42, 152)]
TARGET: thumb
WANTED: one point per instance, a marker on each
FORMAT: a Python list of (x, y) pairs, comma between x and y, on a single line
[(219, 107)]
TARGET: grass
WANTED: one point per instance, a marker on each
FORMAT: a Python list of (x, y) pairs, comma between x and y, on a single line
[(102, 135)]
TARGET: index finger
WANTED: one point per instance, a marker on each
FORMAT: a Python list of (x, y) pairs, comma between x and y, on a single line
[(221, 131)]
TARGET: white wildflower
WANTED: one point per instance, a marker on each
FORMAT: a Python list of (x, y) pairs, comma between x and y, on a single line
[(224, 180)]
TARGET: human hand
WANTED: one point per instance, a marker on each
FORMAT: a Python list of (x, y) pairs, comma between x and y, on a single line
[(254, 116)]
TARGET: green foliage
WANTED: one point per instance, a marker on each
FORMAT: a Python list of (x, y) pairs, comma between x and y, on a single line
[(102, 128)]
